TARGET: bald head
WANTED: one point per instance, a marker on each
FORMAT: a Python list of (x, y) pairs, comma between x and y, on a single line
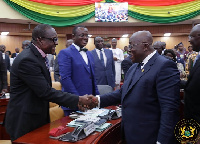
[(141, 45), (194, 37), (114, 43), (69, 42), (158, 46)]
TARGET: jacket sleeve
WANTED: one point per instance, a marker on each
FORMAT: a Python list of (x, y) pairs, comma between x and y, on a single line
[(31, 73), (167, 86), (65, 70)]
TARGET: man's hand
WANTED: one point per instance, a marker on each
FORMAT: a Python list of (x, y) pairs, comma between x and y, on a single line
[(114, 58), (86, 102), (4, 91)]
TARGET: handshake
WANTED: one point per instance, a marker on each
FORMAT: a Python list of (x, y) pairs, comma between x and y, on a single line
[(87, 102)]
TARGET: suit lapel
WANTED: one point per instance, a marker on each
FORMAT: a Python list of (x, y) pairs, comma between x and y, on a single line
[(107, 56), (80, 58), (137, 76), (197, 64), (42, 62)]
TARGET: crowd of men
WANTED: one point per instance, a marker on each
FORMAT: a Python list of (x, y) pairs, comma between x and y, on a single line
[(150, 95)]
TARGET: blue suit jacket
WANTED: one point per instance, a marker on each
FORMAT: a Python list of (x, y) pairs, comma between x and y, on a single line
[(104, 75), (150, 102), (76, 76)]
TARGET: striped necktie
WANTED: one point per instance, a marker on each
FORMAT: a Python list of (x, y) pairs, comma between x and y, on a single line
[(101, 58), (47, 63)]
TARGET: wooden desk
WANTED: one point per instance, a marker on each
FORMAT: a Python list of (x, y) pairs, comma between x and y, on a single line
[(40, 135), (3, 106)]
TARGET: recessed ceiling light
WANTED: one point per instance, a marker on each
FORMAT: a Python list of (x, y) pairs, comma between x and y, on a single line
[(90, 35), (4, 33), (167, 34), (125, 35)]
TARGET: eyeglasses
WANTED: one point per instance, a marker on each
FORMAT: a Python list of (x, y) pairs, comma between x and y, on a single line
[(55, 39), (133, 45)]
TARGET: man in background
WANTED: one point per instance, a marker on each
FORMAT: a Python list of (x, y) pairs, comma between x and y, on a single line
[(127, 63), (150, 95), (76, 67), (118, 57), (30, 86), (56, 66), (103, 64), (158, 46), (192, 99), (14, 55), (5, 56), (3, 75), (25, 44)]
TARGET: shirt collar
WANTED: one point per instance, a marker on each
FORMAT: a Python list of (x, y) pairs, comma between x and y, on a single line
[(148, 57), (40, 51), (100, 50), (77, 47)]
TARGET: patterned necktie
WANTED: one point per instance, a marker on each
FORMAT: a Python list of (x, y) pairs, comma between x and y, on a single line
[(47, 63), (101, 58)]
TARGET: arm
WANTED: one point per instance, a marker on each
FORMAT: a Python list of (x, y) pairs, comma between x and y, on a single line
[(3, 74), (167, 85), (113, 64), (111, 98), (56, 70), (31, 73), (65, 70), (121, 56)]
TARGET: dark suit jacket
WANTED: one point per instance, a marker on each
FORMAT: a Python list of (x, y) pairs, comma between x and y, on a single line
[(13, 55), (7, 61), (76, 76), (104, 75), (3, 74), (192, 98), (126, 64), (150, 102), (31, 91)]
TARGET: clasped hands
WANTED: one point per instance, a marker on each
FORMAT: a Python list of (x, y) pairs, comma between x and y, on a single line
[(87, 102)]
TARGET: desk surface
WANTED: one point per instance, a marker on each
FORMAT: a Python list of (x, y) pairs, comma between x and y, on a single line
[(40, 135)]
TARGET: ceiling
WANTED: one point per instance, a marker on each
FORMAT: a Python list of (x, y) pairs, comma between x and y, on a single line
[(91, 22)]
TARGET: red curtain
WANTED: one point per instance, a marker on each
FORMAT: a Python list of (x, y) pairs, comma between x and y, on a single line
[(154, 2), (67, 2)]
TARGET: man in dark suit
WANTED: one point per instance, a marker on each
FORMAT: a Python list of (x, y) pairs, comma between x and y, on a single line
[(76, 66), (127, 62), (14, 55), (150, 95), (30, 86), (5, 56), (192, 99), (3, 75), (104, 64)]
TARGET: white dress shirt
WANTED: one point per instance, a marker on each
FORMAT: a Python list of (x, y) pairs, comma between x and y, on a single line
[(104, 56), (83, 53), (145, 61)]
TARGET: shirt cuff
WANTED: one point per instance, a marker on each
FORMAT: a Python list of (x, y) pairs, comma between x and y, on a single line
[(158, 142), (98, 100)]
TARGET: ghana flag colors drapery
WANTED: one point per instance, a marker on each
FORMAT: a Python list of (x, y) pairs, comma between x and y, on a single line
[(70, 12)]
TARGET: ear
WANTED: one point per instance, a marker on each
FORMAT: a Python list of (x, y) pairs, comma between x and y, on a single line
[(39, 40), (146, 47)]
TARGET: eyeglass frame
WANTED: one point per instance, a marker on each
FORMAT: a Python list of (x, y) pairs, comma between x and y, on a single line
[(133, 45), (52, 39)]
